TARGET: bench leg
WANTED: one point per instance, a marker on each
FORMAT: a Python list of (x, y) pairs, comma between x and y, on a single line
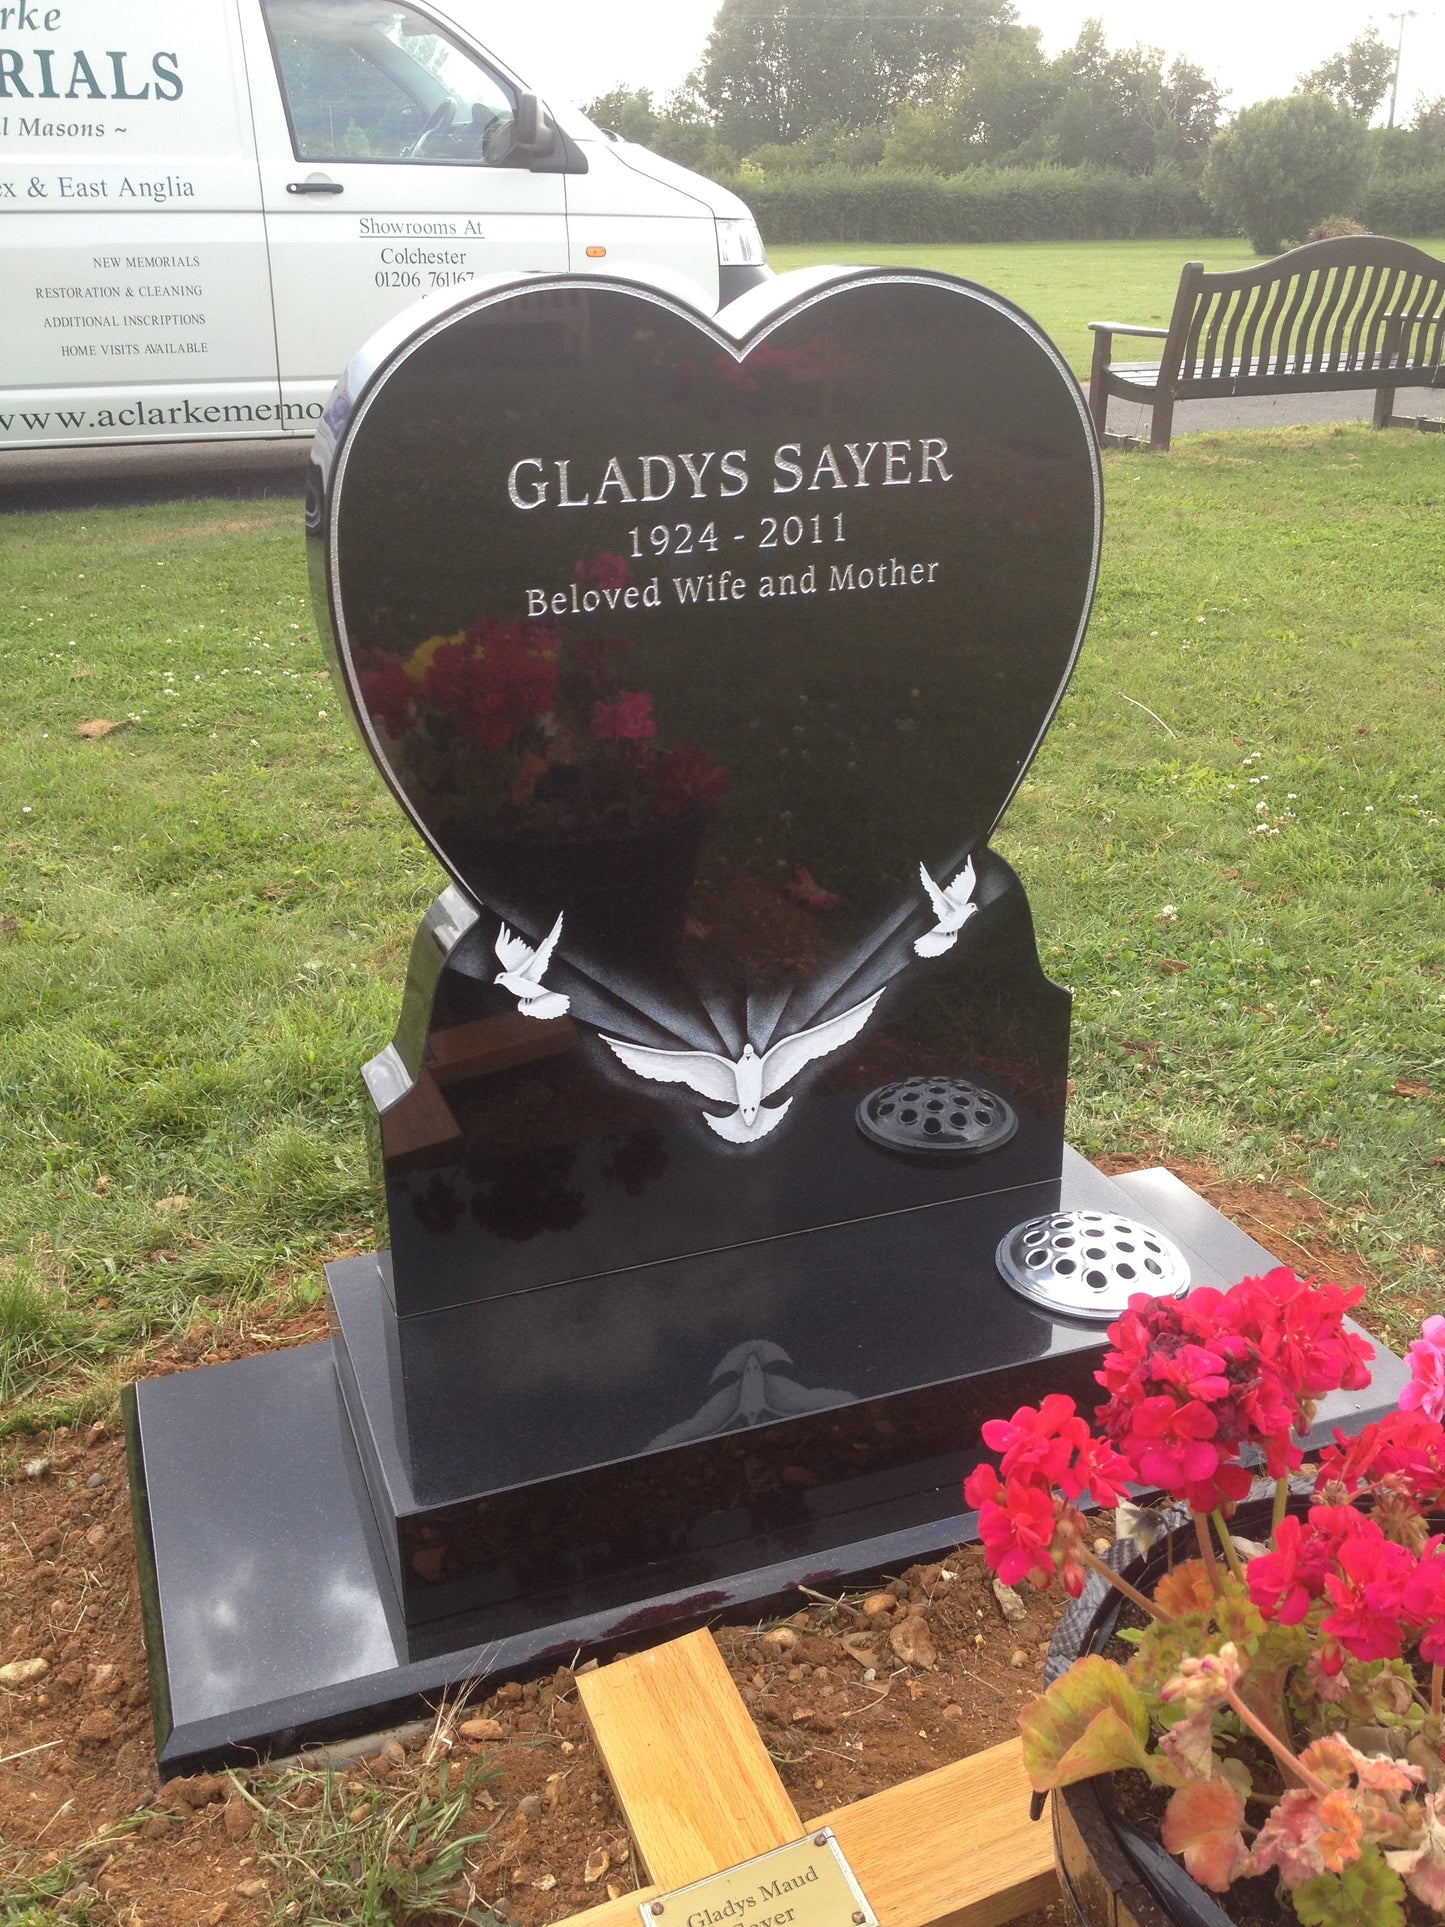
[(1099, 386), (1389, 358), (1161, 422)]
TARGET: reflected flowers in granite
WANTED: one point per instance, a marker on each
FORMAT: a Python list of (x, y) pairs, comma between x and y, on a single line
[(510, 725)]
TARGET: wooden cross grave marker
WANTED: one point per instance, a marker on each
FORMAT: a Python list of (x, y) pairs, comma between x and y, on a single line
[(952, 1848)]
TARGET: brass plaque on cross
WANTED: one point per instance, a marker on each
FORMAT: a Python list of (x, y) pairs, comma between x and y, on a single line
[(808, 1883)]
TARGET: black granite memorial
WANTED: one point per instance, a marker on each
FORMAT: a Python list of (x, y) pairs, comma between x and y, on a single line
[(705, 655)]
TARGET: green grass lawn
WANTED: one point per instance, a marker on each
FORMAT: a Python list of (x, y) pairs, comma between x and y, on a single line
[(1231, 840), (1063, 285)]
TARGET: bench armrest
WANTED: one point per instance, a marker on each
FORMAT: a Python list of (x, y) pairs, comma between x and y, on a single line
[(1123, 328)]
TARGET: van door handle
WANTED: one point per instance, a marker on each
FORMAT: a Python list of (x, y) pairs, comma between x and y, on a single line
[(315, 185)]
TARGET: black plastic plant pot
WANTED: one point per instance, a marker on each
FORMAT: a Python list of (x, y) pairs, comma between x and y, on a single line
[(1110, 1873)]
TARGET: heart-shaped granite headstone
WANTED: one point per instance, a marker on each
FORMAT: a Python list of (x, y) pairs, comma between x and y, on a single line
[(711, 636)]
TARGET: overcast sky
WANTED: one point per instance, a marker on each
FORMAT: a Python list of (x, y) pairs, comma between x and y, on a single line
[(577, 49)]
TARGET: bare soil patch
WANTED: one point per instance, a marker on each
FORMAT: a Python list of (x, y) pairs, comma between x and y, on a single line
[(852, 1695)]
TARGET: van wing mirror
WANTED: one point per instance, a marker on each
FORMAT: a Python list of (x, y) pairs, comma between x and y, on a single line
[(533, 135)]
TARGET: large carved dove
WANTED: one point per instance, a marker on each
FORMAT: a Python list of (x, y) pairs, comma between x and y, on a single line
[(744, 1082)]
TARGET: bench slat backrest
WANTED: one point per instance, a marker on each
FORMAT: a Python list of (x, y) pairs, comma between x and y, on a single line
[(1428, 335), (1318, 309)]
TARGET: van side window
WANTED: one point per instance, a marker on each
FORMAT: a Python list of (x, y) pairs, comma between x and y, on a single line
[(368, 80)]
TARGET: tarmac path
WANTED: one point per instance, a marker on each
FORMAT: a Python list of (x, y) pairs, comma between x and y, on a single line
[(1273, 411)]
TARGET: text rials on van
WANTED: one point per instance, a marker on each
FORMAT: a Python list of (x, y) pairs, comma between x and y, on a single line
[(711, 640)]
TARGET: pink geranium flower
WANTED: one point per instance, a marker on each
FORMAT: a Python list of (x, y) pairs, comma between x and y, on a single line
[(1422, 1602), (1298, 1325), (1364, 1591), (1426, 1390), (1016, 1525), (1284, 1583), (1402, 1452), (1054, 1445)]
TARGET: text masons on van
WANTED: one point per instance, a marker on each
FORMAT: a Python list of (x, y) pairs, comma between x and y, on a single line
[(534, 483)]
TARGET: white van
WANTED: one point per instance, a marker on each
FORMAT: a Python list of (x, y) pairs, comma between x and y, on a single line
[(205, 205)]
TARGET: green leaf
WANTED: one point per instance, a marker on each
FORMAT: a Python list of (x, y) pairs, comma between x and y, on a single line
[(1366, 1894), (1091, 1720)]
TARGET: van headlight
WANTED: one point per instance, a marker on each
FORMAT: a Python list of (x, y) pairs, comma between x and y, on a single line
[(739, 245)]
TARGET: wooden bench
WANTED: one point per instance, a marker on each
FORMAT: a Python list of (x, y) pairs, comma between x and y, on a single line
[(1361, 311)]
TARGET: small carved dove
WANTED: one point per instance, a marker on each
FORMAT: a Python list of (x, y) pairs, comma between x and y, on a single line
[(523, 969), (953, 905)]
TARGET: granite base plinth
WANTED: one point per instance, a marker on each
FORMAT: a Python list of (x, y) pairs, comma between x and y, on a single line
[(554, 1451), (271, 1568)]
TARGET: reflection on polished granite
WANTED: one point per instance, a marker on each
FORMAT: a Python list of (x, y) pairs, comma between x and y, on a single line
[(270, 1604)]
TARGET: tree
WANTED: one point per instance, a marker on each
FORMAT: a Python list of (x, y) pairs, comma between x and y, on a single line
[(681, 131), (1427, 130), (1119, 109), (1003, 94), (1357, 78), (627, 111), (1122, 110), (1089, 108), (1192, 104), (1416, 147), (685, 133), (1282, 165), (776, 70)]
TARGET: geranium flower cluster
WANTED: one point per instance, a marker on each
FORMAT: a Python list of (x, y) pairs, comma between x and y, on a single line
[(487, 684), (1026, 1532), (1297, 1692), (505, 722), (1379, 1573), (1195, 1383)]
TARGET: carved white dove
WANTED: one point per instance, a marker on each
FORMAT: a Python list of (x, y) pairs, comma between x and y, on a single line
[(744, 1082), (953, 905), (523, 969)]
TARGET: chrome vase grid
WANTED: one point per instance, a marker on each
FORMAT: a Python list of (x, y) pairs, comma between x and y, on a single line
[(1088, 1264), (937, 1114)]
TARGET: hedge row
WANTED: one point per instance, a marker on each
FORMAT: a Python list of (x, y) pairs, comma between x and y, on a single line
[(1035, 204), (1405, 204), (985, 204)]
